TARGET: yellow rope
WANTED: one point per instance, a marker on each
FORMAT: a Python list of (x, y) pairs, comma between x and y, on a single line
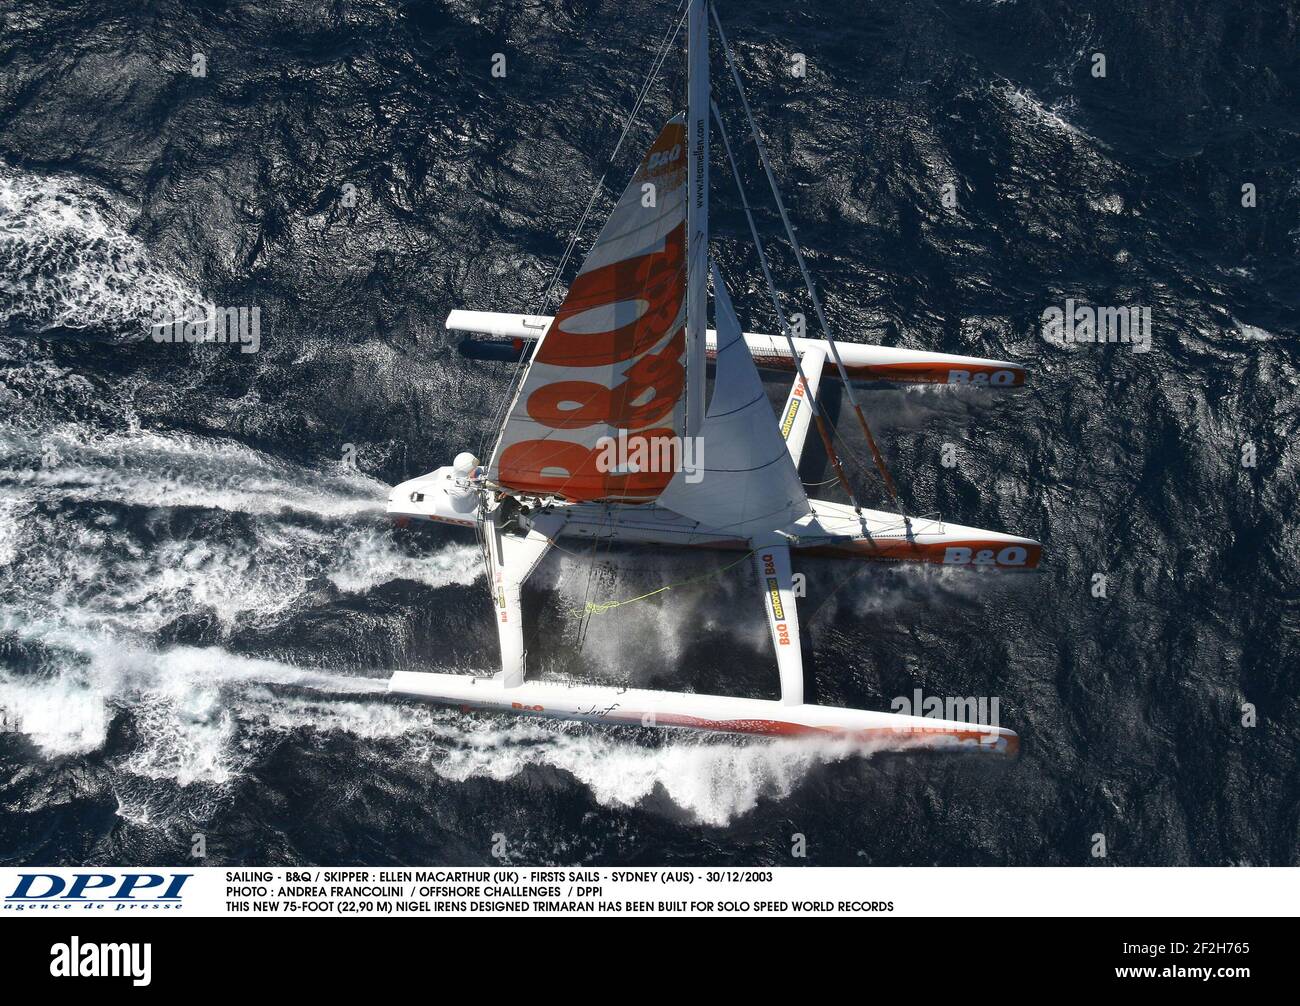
[(593, 608)]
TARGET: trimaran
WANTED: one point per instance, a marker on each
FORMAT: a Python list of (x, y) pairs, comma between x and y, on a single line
[(616, 382)]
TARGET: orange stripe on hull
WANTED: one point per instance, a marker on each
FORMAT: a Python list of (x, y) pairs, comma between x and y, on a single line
[(893, 738), (897, 738)]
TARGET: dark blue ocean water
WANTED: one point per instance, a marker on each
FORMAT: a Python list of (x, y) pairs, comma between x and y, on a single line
[(201, 599)]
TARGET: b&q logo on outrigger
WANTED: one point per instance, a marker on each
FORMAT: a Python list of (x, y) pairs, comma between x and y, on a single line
[(960, 555)]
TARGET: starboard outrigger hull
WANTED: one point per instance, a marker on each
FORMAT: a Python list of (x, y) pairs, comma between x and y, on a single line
[(725, 714)]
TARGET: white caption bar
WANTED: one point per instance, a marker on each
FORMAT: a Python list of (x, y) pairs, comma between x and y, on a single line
[(509, 890)]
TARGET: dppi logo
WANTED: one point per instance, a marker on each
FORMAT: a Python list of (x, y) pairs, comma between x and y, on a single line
[(96, 891)]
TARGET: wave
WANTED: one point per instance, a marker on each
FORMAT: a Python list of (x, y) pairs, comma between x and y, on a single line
[(91, 590), (202, 716), (171, 469), (68, 259), (95, 673), (713, 779), (194, 732)]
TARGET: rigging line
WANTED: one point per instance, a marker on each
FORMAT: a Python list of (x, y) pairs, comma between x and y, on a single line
[(785, 326), (879, 459), (863, 567), (580, 636), (521, 367), (662, 54), (584, 623), (609, 549), (485, 531), (604, 606)]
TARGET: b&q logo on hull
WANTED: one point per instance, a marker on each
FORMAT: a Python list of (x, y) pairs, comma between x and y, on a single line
[(960, 555), (774, 597), (996, 378)]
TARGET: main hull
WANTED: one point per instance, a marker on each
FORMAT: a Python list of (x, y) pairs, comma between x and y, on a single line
[(832, 530)]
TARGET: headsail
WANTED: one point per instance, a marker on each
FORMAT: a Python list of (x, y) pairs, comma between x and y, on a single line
[(612, 360), (747, 482)]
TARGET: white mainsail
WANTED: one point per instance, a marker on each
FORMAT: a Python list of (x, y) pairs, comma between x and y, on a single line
[(611, 366), (747, 483)]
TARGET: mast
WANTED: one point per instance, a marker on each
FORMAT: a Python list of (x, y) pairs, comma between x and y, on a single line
[(697, 208)]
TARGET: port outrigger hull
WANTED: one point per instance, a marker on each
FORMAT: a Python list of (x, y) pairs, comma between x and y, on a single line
[(515, 334)]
